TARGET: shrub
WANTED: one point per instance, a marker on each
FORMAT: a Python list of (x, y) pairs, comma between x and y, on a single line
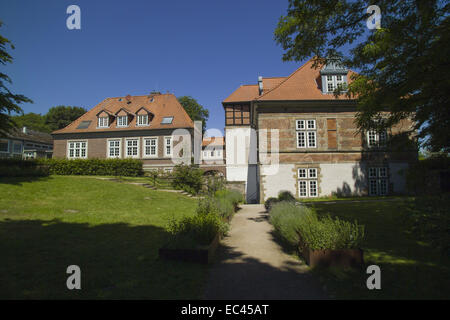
[(101, 167), (22, 168), (214, 183), (187, 178), (286, 196), (296, 224), (270, 202), (201, 228), (223, 203)]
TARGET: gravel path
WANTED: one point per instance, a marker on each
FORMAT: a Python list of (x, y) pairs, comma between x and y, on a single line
[(251, 265)]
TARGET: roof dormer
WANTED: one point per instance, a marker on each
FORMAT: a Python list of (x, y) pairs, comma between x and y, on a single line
[(104, 118), (123, 117), (333, 75), (143, 117)]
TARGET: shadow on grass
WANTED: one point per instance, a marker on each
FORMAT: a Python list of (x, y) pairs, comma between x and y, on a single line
[(18, 181), (117, 261)]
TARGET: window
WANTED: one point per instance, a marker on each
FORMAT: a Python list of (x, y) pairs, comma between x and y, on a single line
[(150, 147), (142, 120), (334, 81), (168, 146), (84, 124), (237, 115), (132, 148), (4, 146), (378, 181), (103, 122), (306, 133), (77, 149), (307, 182), (167, 120), (212, 153), (114, 148), (122, 121), (376, 138), (205, 154)]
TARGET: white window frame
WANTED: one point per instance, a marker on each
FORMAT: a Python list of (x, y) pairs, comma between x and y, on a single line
[(334, 82), (103, 122), (108, 148), (166, 145), (306, 128), (308, 177), (139, 123), (121, 124), (137, 155), (379, 138), (144, 147), (81, 149)]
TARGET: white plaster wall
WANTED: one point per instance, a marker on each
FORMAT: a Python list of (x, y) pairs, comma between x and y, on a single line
[(397, 176), (346, 177), (274, 181), (237, 173), (240, 146)]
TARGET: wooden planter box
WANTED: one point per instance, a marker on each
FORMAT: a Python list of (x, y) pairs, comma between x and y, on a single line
[(327, 257), (202, 254)]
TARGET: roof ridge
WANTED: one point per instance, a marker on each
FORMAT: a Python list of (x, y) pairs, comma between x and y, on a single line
[(286, 79)]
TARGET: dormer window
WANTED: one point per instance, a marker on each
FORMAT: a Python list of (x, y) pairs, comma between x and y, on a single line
[(122, 121), (142, 120), (103, 122), (334, 81), (333, 75)]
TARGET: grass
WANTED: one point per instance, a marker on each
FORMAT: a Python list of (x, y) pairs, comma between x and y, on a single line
[(410, 269), (112, 231)]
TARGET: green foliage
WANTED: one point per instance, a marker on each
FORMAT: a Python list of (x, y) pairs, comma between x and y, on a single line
[(22, 168), (33, 121), (400, 65), (429, 220), (296, 224), (61, 116), (9, 102), (99, 167), (187, 178), (214, 183), (418, 174), (195, 111), (201, 228), (223, 203), (286, 196), (270, 202)]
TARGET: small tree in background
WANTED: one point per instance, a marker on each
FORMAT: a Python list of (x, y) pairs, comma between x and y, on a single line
[(9, 102), (61, 116), (195, 111)]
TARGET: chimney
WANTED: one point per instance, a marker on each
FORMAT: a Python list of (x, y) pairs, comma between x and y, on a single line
[(260, 85), (128, 98), (24, 130)]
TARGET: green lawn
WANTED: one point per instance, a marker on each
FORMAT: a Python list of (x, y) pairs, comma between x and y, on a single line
[(410, 269), (111, 230)]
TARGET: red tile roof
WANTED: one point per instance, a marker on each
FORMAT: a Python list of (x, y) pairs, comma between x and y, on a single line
[(213, 141), (303, 84), (161, 105)]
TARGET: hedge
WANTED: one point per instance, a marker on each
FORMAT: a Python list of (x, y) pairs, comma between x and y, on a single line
[(94, 167), (11, 167)]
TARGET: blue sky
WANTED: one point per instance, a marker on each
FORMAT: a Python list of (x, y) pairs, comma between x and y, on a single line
[(204, 49)]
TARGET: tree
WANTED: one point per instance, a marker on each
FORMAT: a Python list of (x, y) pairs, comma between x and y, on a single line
[(61, 116), (403, 66), (9, 102), (31, 120), (194, 110)]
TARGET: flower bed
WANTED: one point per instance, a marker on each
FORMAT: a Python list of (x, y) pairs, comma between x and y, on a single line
[(324, 241), (196, 238)]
